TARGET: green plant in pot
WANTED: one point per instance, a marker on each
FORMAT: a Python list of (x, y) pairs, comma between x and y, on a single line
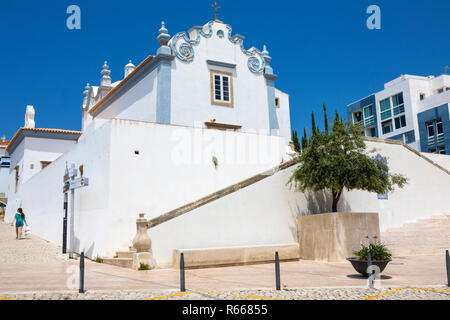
[(380, 256)]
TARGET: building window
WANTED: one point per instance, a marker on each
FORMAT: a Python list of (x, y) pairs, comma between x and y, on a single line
[(387, 127), (441, 150), (422, 96), (385, 109), (17, 178), (398, 104), (400, 122), (369, 119), (440, 90), (357, 117), (430, 131), (277, 102), (45, 163), (439, 131), (222, 88)]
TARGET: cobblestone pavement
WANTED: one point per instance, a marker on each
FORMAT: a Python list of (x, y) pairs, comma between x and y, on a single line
[(29, 250), (402, 293)]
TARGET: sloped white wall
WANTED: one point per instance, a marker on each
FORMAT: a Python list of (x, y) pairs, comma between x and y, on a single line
[(265, 213)]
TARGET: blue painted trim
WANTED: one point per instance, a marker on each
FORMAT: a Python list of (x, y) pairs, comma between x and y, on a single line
[(440, 112), (163, 97), (273, 119), (410, 137)]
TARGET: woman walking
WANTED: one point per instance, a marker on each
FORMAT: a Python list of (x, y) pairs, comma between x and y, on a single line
[(19, 219)]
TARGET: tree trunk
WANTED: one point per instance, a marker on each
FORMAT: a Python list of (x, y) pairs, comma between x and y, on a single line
[(336, 197)]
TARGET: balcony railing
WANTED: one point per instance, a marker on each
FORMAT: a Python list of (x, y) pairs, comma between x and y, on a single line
[(370, 121), (431, 140), (399, 109), (386, 114), (440, 138)]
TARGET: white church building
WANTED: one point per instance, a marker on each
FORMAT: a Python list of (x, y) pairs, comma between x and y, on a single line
[(199, 116), (197, 133)]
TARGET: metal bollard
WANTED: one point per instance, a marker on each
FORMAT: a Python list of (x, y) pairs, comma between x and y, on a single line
[(182, 278), (447, 259), (277, 271), (82, 273), (64, 242)]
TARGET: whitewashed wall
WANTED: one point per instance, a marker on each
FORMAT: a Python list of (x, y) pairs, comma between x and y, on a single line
[(4, 182), (441, 159), (175, 167), (426, 194), (283, 115), (42, 197), (138, 103)]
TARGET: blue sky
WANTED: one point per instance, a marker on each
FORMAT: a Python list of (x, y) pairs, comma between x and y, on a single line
[(322, 50)]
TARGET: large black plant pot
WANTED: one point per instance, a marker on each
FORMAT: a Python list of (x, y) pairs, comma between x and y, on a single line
[(362, 265)]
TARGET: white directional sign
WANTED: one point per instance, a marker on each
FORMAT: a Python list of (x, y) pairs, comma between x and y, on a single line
[(78, 183)]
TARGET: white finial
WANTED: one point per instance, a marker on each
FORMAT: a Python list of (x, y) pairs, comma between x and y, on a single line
[(129, 68), (3, 139), (29, 117), (106, 79), (163, 37)]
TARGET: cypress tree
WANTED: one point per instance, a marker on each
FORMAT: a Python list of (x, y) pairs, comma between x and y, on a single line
[(304, 139), (313, 123), (295, 141), (325, 118)]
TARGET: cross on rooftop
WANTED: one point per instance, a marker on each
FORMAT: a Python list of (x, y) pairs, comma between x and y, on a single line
[(216, 9)]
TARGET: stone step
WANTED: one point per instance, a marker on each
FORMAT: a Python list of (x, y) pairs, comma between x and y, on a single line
[(125, 254), (119, 262), (426, 236)]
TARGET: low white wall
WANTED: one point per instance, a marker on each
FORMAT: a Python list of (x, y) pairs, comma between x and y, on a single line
[(441, 159), (426, 194), (262, 214)]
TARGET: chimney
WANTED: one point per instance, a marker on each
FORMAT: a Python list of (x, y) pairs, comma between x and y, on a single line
[(29, 117)]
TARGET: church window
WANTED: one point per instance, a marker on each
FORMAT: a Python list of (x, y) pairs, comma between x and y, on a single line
[(221, 88), (277, 102)]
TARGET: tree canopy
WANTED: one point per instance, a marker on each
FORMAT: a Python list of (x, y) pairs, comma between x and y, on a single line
[(338, 160)]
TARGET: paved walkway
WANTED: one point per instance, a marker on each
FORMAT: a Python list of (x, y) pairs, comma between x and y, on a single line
[(34, 268)]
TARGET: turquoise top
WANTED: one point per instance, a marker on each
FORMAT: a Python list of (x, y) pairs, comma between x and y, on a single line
[(19, 220)]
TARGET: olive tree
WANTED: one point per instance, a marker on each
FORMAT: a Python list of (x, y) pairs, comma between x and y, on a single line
[(339, 160)]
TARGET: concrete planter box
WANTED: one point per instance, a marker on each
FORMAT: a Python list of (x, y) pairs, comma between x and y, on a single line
[(334, 236)]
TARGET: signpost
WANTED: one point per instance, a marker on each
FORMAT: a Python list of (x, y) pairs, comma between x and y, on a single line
[(71, 182)]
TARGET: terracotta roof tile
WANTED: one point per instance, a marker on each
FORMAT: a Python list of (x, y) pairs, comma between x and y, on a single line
[(41, 130)]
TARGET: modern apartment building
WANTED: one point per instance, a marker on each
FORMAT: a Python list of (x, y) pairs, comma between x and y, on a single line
[(411, 108)]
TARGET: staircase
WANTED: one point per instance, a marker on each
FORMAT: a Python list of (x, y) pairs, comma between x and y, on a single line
[(123, 259), (425, 236)]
